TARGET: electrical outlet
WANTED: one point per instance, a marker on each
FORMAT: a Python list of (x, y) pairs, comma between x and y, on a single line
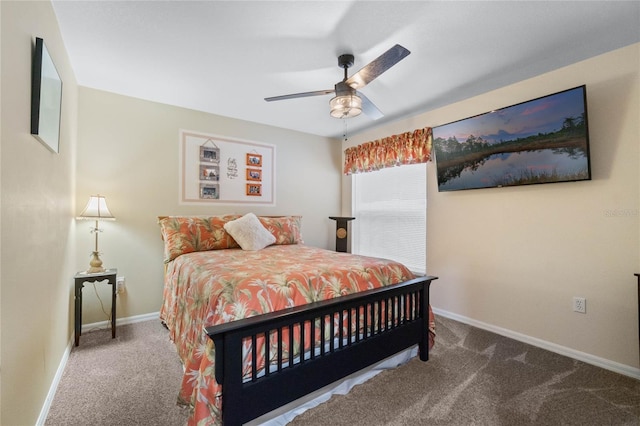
[(580, 305), (120, 284)]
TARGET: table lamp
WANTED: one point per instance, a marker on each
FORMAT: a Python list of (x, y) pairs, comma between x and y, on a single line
[(97, 210)]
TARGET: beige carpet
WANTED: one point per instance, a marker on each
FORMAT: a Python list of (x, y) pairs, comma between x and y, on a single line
[(130, 380), (473, 378)]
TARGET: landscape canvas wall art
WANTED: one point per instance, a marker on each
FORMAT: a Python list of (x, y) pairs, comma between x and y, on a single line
[(544, 140)]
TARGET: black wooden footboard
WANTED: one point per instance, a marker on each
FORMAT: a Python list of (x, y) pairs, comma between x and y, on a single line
[(314, 345)]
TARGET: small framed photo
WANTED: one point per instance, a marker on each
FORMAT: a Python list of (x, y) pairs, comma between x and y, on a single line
[(254, 174), (209, 154), (254, 189), (254, 160), (208, 172), (209, 191)]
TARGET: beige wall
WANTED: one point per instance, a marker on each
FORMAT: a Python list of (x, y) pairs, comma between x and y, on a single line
[(37, 206), (513, 258), (128, 152)]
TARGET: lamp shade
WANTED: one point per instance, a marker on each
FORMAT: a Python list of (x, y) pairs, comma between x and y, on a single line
[(346, 106), (96, 209)]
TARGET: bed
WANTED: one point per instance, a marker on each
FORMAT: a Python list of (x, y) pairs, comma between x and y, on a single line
[(269, 319)]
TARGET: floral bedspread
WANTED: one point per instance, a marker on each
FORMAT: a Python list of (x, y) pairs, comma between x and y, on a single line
[(217, 286)]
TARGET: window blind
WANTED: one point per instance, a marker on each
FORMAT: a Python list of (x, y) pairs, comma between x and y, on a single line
[(390, 207)]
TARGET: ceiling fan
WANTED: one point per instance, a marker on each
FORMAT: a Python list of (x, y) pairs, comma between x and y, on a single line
[(348, 102)]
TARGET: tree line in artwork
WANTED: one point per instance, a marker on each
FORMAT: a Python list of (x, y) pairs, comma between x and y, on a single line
[(570, 137)]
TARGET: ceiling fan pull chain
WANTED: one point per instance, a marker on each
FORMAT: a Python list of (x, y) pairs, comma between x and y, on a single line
[(344, 135)]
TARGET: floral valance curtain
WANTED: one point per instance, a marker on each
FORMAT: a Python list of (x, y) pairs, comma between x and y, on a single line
[(406, 148)]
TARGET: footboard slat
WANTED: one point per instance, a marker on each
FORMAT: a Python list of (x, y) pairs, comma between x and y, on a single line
[(379, 323)]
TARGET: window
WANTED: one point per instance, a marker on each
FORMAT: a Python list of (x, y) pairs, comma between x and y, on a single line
[(390, 207)]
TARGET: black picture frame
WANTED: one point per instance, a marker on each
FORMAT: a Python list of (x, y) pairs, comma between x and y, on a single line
[(46, 98)]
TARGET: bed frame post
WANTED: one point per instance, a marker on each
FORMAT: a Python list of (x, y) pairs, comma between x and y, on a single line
[(423, 346)]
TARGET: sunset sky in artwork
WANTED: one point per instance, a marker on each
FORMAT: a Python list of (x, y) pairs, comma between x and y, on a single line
[(542, 115)]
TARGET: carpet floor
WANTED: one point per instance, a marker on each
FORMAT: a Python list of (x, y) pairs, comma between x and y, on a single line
[(130, 380), (473, 377)]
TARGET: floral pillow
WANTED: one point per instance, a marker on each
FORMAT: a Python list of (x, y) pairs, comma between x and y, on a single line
[(190, 234), (286, 229)]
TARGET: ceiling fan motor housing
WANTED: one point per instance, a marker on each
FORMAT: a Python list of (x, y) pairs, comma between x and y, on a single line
[(343, 89)]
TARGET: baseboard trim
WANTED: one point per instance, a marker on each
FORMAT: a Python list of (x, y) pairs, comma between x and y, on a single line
[(44, 412), (553, 347), (120, 321)]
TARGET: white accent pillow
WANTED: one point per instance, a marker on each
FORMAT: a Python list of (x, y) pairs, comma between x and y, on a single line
[(249, 232)]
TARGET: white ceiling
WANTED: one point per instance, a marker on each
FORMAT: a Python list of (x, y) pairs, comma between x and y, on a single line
[(225, 57)]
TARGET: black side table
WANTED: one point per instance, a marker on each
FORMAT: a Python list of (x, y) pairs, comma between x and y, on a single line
[(82, 277)]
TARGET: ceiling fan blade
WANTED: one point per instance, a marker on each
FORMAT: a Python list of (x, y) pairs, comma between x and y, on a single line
[(376, 67), (300, 95), (369, 108)]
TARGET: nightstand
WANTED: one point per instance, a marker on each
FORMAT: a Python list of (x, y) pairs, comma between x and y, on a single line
[(82, 277)]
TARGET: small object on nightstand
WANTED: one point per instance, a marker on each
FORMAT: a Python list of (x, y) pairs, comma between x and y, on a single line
[(82, 277), (97, 210), (342, 231)]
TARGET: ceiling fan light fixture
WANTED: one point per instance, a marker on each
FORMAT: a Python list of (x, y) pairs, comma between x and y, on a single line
[(346, 106), (347, 103)]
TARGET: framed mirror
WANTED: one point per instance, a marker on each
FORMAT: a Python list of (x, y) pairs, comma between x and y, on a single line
[(46, 98)]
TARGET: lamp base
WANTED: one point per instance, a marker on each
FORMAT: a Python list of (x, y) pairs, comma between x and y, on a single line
[(95, 263)]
